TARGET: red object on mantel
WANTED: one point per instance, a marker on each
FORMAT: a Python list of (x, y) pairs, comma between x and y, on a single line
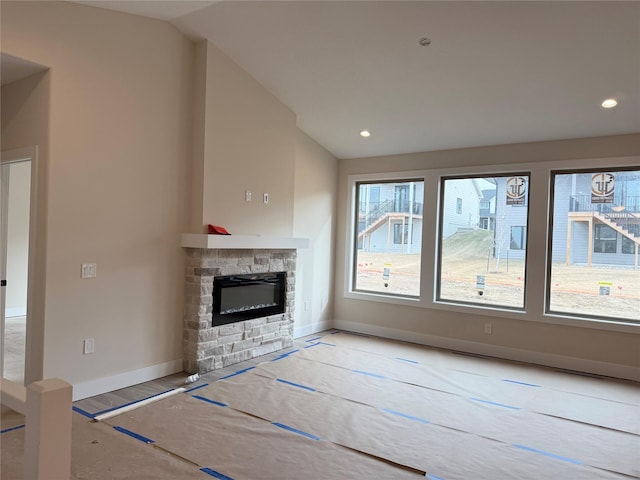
[(216, 230)]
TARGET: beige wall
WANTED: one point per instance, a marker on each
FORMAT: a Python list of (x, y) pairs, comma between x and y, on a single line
[(524, 340), (314, 218), (152, 136), (25, 123), (118, 165), (249, 144)]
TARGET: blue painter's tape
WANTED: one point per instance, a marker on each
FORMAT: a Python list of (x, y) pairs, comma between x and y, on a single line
[(313, 345), (7, 430), (404, 415), (215, 474), (329, 344), (313, 339), (295, 430), (83, 412), (208, 400), (369, 374), (520, 383), (495, 404), (239, 372), (285, 355), (295, 384), (551, 455), (134, 435), (406, 360), (197, 388), (433, 477)]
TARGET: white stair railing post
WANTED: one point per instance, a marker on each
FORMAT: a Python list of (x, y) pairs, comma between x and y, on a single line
[(47, 452)]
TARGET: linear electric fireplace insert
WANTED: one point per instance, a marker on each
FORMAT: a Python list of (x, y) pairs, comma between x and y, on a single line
[(243, 297)]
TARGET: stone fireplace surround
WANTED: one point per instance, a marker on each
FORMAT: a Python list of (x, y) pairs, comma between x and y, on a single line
[(207, 348)]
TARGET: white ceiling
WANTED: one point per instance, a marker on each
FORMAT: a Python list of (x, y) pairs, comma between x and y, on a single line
[(495, 72)]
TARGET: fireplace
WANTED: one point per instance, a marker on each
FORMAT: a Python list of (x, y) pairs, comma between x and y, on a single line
[(216, 330), (243, 297)]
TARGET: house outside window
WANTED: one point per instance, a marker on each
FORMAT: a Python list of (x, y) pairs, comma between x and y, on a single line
[(476, 265), (595, 222), (388, 243)]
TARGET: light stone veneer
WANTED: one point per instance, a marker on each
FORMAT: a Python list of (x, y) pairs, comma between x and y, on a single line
[(207, 348)]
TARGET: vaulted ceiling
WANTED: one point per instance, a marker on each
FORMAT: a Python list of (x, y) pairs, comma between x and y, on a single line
[(493, 72)]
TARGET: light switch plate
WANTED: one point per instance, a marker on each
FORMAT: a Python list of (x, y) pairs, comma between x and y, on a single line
[(89, 346), (89, 270)]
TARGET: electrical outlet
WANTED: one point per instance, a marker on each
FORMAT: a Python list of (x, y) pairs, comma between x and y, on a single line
[(89, 270), (488, 328), (247, 195), (89, 346)]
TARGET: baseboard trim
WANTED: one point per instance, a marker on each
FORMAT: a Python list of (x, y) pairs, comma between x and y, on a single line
[(549, 360), (126, 379), (312, 328)]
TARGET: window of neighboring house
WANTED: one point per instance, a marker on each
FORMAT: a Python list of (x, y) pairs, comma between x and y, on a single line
[(518, 238), (476, 266), (387, 256), (628, 245), (605, 239), (400, 233), (581, 281)]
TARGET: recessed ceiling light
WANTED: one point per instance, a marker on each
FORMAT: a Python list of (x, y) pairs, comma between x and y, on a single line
[(365, 133), (609, 103)]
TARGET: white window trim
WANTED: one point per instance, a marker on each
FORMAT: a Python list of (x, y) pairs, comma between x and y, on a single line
[(538, 229)]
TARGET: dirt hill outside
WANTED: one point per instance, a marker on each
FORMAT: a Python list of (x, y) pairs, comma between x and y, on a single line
[(468, 254)]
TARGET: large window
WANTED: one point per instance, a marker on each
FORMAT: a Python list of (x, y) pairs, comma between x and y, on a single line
[(477, 265), (389, 237), (578, 223), (595, 234)]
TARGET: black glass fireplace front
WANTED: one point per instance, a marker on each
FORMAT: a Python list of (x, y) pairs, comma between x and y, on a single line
[(243, 297)]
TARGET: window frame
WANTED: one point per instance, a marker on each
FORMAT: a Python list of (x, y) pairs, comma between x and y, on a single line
[(539, 222), (353, 245), (597, 237), (438, 272), (584, 320)]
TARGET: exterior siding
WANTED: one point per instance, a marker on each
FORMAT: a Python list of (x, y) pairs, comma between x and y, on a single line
[(508, 216), (469, 217), (576, 190)]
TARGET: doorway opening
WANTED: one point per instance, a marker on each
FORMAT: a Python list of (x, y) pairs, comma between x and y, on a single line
[(15, 227)]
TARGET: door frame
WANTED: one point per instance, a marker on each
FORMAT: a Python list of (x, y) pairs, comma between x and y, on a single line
[(32, 355)]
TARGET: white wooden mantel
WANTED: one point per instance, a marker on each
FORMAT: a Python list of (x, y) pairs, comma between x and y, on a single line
[(201, 240)]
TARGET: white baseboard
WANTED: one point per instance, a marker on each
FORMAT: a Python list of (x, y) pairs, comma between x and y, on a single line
[(312, 328), (550, 360), (126, 379)]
